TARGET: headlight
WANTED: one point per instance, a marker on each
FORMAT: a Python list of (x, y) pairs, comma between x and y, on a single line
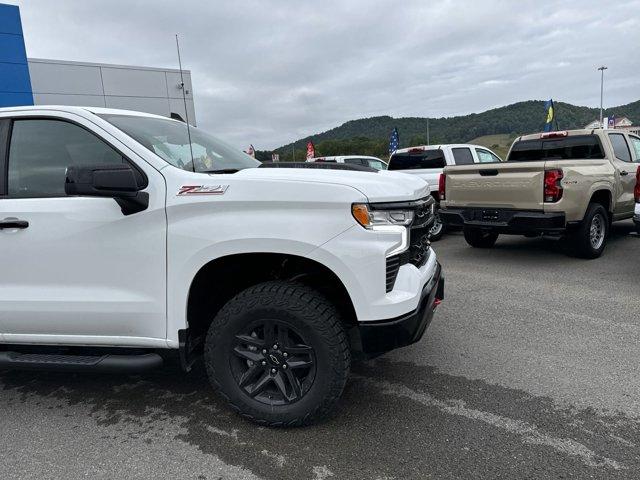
[(369, 218)]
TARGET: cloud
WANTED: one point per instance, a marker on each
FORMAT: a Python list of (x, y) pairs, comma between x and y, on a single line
[(268, 72)]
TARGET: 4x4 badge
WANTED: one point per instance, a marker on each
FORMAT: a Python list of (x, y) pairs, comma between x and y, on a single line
[(202, 190)]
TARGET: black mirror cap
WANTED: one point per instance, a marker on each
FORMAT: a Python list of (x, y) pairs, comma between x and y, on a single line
[(116, 181)]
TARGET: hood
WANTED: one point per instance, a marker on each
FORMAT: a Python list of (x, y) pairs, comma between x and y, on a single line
[(382, 186)]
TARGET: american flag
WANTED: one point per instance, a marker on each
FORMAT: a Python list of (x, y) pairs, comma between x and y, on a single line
[(394, 141), (311, 150)]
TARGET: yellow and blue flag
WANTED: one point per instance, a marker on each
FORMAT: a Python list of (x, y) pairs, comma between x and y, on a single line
[(548, 126)]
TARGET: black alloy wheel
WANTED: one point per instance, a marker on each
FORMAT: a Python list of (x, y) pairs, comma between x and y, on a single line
[(272, 363)]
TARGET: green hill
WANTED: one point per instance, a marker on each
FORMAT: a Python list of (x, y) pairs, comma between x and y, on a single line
[(371, 135)]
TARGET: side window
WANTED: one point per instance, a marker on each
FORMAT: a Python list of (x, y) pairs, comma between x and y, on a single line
[(462, 156), (635, 142), (377, 164), (41, 150), (620, 147), (485, 156), (354, 161)]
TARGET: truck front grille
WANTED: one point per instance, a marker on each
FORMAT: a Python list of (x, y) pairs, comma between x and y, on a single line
[(393, 265)]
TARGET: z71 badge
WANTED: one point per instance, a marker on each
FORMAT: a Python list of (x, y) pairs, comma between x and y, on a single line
[(202, 190)]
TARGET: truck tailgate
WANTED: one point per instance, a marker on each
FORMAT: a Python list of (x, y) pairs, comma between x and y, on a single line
[(517, 185)]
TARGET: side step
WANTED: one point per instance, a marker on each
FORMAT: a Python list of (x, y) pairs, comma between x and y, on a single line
[(79, 363)]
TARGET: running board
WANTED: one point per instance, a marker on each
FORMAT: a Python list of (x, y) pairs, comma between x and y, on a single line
[(79, 363)]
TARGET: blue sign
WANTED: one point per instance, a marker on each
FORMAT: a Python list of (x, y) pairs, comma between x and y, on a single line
[(15, 83)]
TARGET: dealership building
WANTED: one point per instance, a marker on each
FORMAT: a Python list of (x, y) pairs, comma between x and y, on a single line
[(35, 81)]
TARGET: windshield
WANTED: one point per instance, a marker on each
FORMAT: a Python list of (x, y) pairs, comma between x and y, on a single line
[(567, 148), (169, 140)]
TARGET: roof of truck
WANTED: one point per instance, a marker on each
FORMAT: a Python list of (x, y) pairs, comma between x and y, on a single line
[(80, 110), (438, 147), (568, 133)]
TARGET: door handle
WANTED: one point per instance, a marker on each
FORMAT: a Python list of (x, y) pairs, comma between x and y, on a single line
[(624, 172), (13, 223)]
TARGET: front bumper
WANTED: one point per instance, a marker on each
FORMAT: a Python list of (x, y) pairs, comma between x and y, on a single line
[(378, 337), (502, 220)]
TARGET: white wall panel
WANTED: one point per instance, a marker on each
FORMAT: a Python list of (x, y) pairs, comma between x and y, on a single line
[(65, 78)]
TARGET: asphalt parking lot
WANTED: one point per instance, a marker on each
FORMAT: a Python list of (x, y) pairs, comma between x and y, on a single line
[(529, 370)]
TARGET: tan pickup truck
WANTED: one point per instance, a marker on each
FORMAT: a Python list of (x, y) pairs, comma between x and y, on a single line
[(569, 184)]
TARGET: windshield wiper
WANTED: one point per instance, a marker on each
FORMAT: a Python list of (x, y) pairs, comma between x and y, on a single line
[(222, 170)]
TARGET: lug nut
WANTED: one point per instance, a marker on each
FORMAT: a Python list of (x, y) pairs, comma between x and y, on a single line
[(264, 351), (285, 354), (273, 370), (264, 362), (284, 367), (275, 347)]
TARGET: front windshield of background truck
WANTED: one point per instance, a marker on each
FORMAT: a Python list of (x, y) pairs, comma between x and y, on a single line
[(567, 148), (169, 140)]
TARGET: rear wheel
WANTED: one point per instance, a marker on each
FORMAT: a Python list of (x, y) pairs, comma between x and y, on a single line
[(589, 240), (279, 354), (479, 238)]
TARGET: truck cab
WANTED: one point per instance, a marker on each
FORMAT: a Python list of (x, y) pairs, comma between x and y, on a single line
[(126, 236)]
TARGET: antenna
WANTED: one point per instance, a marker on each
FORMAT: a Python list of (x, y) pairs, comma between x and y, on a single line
[(186, 111)]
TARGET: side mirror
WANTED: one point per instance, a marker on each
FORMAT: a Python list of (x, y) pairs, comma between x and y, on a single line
[(116, 181), (113, 181)]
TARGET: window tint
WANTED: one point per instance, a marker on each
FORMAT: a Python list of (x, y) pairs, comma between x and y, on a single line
[(635, 143), (462, 156), (620, 147), (41, 150), (485, 156), (418, 159), (566, 148), (355, 161)]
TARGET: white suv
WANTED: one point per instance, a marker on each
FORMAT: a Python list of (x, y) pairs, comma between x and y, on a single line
[(118, 232), (428, 162), (358, 160)]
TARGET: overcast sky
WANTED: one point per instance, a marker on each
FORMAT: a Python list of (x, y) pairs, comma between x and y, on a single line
[(268, 72)]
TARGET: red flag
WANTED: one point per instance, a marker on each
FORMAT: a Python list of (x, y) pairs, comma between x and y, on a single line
[(311, 150)]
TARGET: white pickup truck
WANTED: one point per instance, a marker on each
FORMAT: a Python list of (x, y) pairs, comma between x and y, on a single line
[(127, 232), (428, 162)]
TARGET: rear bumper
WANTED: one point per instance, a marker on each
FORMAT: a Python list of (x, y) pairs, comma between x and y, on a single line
[(378, 337), (503, 220)]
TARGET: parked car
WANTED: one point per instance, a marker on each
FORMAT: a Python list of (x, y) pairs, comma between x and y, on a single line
[(359, 160), (128, 232), (568, 183), (428, 162)]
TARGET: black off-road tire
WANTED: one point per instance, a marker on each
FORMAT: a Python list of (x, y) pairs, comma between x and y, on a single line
[(579, 241), (302, 309), (479, 238)]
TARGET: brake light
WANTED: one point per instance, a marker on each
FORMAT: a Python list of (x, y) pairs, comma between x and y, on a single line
[(636, 190), (552, 185), (562, 133), (442, 187), (416, 150)]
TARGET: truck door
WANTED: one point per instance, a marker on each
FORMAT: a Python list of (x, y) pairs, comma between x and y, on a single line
[(626, 173), (76, 270)]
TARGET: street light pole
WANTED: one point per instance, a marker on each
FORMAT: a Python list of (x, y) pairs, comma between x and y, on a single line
[(602, 69)]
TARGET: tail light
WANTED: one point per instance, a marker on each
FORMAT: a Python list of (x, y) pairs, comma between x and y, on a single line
[(636, 190), (442, 187), (552, 186)]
